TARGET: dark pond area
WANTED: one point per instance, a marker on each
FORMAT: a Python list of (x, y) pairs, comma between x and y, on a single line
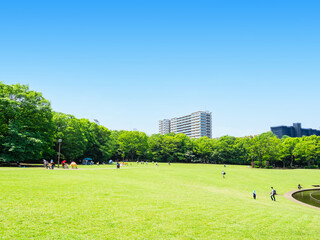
[(311, 197)]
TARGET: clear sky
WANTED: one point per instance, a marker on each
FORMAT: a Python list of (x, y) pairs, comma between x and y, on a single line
[(253, 64)]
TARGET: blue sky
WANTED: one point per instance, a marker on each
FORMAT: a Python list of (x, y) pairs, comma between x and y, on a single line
[(253, 64)]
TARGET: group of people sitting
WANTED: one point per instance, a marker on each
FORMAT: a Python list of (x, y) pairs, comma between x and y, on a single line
[(51, 164), (48, 165), (73, 164)]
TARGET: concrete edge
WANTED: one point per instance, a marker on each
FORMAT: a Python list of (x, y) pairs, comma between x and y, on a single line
[(288, 195)]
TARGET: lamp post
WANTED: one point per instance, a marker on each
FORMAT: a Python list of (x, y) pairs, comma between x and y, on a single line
[(59, 141)]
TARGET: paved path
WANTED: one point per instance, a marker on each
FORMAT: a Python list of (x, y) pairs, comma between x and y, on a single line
[(95, 168), (289, 196), (41, 168)]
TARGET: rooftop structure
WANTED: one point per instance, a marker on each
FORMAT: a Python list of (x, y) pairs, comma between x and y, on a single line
[(294, 131)]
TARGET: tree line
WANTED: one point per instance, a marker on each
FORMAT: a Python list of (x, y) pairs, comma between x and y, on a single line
[(30, 130)]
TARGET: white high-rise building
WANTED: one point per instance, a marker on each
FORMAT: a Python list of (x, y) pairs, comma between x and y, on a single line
[(194, 125), (201, 124), (164, 126)]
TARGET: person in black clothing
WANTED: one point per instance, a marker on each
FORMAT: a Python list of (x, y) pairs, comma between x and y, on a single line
[(272, 194)]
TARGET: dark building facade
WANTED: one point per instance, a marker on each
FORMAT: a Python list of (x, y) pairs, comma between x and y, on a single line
[(294, 131)]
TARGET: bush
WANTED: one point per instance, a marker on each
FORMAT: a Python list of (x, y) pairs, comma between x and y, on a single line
[(311, 167)]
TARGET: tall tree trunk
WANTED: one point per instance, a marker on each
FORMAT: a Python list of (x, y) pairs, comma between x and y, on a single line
[(260, 160)]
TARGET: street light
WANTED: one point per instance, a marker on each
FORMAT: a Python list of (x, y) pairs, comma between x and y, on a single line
[(59, 141)]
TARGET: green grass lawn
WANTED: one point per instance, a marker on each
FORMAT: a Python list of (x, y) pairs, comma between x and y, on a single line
[(181, 201)]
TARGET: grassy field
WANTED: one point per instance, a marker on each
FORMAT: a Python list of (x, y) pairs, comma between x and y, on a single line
[(180, 201)]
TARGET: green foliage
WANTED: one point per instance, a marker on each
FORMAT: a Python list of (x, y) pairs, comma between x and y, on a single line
[(30, 130), (82, 138), (71, 131), (171, 148), (99, 146), (20, 145), (203, 148), (286, 149), (26, 126), (307, 151), (155, 143), (133, 145), (264, 148), (228, 150)]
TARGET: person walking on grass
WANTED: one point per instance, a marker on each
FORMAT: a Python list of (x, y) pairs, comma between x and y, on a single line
[(223, 174), (254, 194), (272, 194)]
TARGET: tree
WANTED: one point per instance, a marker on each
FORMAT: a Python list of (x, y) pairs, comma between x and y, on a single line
[(71, 131), (169, 147), (265, 148), (20, 145), (307, 150), (155, 143), (243, 145), (116, 153), (26, 126), (183, 145), (99, 142), (133, 144), (286, 150), (203, 148), (227, 150)]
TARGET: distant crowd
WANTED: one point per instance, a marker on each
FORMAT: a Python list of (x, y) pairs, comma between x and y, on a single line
[(65, 165)]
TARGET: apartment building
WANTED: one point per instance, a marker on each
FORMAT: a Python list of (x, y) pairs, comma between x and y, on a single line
[(194, 125), (164, 126)]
